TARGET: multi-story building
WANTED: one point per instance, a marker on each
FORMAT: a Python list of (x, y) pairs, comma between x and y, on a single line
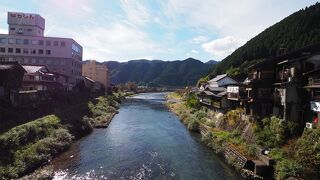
[(96, 71), (27, 44), (258, 90)]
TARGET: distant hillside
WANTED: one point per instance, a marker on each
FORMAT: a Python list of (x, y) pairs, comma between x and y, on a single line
[(158, 73), (296, 31)]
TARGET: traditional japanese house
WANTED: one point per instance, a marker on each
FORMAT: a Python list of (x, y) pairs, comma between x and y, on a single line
[(11, 75), (294, 71), (258, 100), (313, 88), (235, 93), (214, 93), (39, 78)]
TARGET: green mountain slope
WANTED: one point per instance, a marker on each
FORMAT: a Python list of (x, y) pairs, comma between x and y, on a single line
[(159, 73), (300, 29)]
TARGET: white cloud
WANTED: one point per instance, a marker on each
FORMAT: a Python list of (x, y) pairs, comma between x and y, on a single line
[(115, 41), (67, 8), (136, 13), (200, 39), (3, 31), (243, 19), (195, 51), (220, 48)]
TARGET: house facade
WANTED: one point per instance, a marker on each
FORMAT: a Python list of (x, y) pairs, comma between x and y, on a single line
[(39, 78), (258, 90), (214, 93), (11, 75)]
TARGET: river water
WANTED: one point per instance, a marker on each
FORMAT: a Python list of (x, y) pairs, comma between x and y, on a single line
[(143, 141)]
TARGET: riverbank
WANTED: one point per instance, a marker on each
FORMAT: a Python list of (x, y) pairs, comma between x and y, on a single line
[(28, 146), (229, 144), (291, 155)]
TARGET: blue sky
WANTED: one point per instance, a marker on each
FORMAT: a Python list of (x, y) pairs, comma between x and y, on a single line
[(156, 29)]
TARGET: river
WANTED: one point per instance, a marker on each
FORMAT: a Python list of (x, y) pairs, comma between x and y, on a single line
[(143, 141)]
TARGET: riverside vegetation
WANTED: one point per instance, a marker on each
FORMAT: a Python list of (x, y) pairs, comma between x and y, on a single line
[(296, 155), (28, 146)]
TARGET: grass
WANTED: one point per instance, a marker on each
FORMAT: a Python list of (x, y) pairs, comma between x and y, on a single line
[(102, 110), (31, 145), (26, 147)]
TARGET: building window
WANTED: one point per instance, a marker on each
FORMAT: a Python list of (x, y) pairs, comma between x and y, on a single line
[(33, 51), (41, 42), (55, 43), (18, 50), (11, 41), (12, 29), (3, 50), (26, 41), (34, 42), (63, 44), (25, 51), (48, 52), (40, 51), (29, 30), (10, 50), (18, 41), (48, 43), (75, 48), (3, 40)]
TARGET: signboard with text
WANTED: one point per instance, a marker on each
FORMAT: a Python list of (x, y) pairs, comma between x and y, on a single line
[(18, 18), (233, 89)]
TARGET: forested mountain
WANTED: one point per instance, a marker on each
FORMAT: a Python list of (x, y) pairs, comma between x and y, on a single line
[(300, 29), (157, 72)]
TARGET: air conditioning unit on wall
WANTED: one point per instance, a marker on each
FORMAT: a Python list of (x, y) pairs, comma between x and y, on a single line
[(309, 125)]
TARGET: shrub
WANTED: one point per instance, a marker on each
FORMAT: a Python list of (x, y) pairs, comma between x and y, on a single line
[(271, 132), (193, 102), (193, 124), (25, 134), (251, 149), (31, 156), (307, 151), (200, 114), (288, 168), (210, 123)]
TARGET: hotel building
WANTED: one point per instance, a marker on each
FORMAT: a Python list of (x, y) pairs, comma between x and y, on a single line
[(96, 71), (27, 44)]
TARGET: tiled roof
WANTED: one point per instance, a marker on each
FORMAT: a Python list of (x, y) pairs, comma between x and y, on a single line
[(10, 66), (217, 78), (221, 89), (32, 68)]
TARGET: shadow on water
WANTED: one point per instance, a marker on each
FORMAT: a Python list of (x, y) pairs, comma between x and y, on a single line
[(144, 141)]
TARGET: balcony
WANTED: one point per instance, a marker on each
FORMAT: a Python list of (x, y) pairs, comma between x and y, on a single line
[(261, 75), (284, 76), (315, 82)]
